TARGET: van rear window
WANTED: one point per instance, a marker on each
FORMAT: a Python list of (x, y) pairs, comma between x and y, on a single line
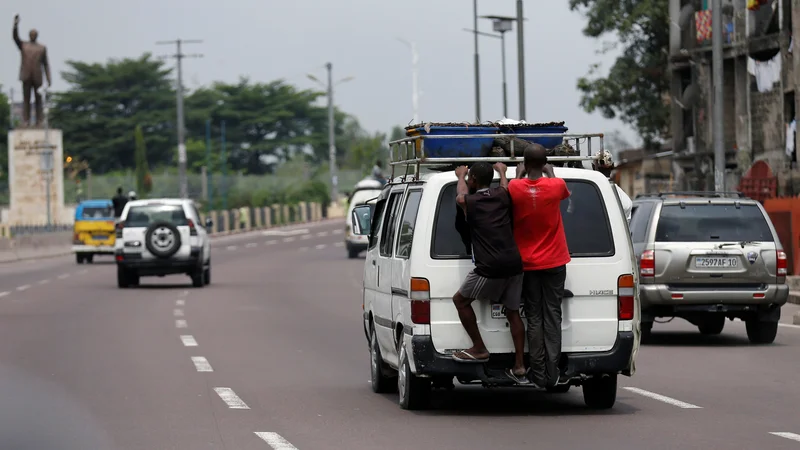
[(585, 224), (705, 222)]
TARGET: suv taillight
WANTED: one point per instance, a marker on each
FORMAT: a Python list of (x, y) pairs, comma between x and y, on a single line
[(420, 301), (120, 226), (647, 264), (783, 264), (625, 296), (192, 229)]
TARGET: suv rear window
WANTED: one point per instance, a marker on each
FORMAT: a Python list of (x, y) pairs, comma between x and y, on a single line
[(709, 222), (144, 215), (585, 224)]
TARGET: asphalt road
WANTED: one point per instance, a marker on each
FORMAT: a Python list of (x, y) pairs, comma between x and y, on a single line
[(272, 355)]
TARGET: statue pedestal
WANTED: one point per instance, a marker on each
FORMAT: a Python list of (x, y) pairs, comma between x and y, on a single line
[(27, 176)]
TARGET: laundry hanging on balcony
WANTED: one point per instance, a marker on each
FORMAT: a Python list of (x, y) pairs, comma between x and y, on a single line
[(767, 73), (702, 22)]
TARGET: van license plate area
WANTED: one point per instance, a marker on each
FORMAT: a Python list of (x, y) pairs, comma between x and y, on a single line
[(499, 311), (706, 262)]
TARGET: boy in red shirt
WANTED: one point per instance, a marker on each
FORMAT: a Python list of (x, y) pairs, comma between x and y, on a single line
[(539, 232)]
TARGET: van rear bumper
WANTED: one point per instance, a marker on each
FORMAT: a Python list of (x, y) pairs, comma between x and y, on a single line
[(432, 363)]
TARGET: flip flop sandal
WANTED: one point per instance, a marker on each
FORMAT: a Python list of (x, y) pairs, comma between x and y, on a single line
[(468, 358), (519, 379)]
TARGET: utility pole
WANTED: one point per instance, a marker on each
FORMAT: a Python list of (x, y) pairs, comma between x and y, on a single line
[(521, 60), (224, 158), (209, 167), (414, 79), (332, 137), (718, 135), (477, 65), (181, 125)]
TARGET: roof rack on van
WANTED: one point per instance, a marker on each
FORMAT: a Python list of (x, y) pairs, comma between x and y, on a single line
[(705, 194), (451, 149)]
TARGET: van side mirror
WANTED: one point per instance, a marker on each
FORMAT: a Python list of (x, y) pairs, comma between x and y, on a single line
[(362, 219)]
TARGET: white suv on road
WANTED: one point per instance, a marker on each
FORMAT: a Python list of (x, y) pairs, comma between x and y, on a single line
[(417, 258), (162, 237)]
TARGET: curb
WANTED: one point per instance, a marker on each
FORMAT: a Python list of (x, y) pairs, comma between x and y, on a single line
[(794, 297)]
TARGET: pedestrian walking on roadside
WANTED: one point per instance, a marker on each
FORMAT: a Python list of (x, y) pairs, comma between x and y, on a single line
[(497, 276), (536, 195)]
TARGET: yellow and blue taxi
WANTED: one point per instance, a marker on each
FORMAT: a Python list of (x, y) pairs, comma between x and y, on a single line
[(94, 230)]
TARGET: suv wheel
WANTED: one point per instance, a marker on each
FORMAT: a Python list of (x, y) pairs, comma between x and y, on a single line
[(761, 332), (207, 274), (415, 393), (712, 325), (352, 253), (381, 384), (123, 277), (600, 392), (199, 278)]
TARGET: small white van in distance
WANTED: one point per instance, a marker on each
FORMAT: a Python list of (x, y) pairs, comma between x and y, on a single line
[(417, 258)]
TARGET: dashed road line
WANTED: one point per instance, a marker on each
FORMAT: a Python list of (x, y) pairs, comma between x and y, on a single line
[(307, 236), (275, 440), (24, 287), (231, 247), (322, 233), (285, 232), (180, 323), (178, 312), (185, 293), (662, 398), (63, 276), (337, 231), (251, 245), (269, 243), (321, 246), (230, 398), (188, 340), (289, 239), (180, 302), (44, 281), (339, 244), (4, 293), (783, 434), (201, 364)]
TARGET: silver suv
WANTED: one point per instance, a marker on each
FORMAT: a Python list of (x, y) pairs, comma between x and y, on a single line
[(707, 256)]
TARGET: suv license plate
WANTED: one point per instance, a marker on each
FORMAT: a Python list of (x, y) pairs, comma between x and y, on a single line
[(498, 311), (704, 262)]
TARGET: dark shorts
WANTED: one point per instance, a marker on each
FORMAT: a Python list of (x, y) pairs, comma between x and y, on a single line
[(507, 291)]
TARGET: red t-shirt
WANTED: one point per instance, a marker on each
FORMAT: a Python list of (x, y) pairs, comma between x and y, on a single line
[(538, 227)]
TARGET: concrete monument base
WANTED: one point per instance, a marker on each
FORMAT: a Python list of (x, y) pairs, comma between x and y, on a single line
[(28, 173)]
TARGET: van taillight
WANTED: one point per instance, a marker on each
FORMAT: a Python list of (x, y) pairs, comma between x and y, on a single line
[(647, 264), (120, 226), (625, 296), (192, 229), (420, 301), (783, 264)]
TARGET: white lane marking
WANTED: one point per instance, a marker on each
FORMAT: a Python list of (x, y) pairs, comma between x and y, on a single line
[(24, 287), (322, 233), (188, 340), (180, 323), (230, 398), (269, 243), (308, 236), (82, 272), (185, 293), (180, 302), (44, 281), (662, 398), (285, 232), (788, 325), (337, 231), (178, 312), (201, 364), (783, 434), (275, 440), (289, 239), (321, 246), (303, 249), (231, 247), (251, 245), (4, 293), (339, 244), (63, 276)]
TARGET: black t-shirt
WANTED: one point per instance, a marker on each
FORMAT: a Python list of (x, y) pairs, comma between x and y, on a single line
[(491, 229), (119, 202)]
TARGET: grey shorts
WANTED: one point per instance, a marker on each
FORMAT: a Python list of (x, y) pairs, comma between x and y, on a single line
[(507, 291)]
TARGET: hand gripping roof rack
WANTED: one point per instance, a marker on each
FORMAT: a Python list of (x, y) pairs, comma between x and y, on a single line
[(410, 151)]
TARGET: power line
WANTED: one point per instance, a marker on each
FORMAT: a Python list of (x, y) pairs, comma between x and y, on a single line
[(179, 56)]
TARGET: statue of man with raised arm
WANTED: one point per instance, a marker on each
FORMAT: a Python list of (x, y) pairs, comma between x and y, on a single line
[(34, 64)]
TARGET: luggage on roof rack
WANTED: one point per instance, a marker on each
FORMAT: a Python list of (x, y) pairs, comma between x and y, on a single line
[(449, 144)]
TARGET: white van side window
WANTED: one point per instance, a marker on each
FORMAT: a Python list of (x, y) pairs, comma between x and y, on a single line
[(390, 223), (407, 224)]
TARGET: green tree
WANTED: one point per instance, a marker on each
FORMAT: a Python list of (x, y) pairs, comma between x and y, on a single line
[(638, 82), (142, 167), (106, 101)]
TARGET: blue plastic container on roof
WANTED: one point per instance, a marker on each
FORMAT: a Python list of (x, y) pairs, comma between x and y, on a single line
[(456, 147)]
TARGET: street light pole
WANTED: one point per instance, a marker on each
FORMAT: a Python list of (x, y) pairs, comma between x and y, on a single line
[(477, 65), (718, 110), (414, 79), (521, 60), (501, 25), (332, 137)]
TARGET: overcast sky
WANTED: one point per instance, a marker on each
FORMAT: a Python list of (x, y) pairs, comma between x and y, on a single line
[(270, 39)]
